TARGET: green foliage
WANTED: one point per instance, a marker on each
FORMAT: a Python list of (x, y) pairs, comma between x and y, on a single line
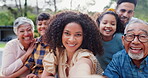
[(141, 10), (33, 18), (2, 44), (6, 18)]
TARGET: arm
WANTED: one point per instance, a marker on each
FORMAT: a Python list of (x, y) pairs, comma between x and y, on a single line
[(11, 60), (10, 63), (27, 54), (82, 68), (18, 73), (45, 74), (49, 63), (113, 69)]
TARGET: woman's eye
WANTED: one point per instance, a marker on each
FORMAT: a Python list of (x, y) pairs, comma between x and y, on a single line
[(113, 24), (29, 30), (78, 35), (104, 23), (21, 31), (39, 24), (66, 33)]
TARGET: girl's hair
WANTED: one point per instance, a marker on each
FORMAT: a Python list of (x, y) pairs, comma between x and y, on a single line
[(120, 27), (91, 35)]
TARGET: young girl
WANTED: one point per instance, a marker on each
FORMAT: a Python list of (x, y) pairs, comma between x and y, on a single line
[(111, 30), (74, 40)]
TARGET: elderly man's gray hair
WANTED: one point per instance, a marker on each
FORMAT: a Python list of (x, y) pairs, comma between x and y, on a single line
[(135, 21)]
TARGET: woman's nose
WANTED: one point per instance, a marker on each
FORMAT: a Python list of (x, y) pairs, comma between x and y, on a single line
[(71, 38)]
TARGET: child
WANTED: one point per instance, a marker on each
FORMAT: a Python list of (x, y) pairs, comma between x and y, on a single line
[(34, 63), (74, 40), (111, 30)]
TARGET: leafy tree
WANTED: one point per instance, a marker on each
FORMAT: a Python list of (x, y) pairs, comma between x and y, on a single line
[(6, 18), (141, 10)]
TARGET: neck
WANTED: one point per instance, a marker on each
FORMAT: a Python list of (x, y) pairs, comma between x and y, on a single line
[(69, 55), (107, 38), (137, 62), (26, 47)]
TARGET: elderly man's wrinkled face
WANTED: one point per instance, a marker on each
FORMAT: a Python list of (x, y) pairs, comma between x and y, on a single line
[(135, 40)]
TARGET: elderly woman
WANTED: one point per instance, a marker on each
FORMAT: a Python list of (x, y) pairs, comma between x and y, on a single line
[(18, 50)]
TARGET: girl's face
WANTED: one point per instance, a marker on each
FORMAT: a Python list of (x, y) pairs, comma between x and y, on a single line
[(25, 34), (42, 26), (108, 25), (72, 37)]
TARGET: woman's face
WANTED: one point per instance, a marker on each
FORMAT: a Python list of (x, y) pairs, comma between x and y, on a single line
[(25, 34), (72, 37), (108, 25)]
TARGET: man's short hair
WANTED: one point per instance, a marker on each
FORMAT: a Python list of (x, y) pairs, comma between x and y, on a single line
[(130, 1), (135, 21)]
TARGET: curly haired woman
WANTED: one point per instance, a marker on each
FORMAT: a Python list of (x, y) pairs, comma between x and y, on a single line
[(75, 40)]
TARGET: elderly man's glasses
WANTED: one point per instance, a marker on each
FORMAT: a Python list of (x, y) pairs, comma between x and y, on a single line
[(141, 37)]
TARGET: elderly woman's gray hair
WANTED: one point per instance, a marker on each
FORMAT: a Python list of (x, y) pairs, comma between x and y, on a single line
[(135, 21), (20, 21)]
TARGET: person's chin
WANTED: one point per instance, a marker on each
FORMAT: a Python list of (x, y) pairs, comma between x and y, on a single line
[(136, 56)]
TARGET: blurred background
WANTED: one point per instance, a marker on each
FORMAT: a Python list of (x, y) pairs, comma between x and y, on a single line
[(11, 9)]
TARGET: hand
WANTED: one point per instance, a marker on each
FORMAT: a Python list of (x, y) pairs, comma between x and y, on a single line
[(28, 53), (32, 76), (31, 48)]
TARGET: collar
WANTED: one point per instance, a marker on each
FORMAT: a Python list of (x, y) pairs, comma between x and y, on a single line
[(21, 46), (39, 41), (65, 56), (144, 62)]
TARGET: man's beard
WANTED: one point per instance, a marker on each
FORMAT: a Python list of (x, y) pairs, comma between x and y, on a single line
[(124, 20), (136, 56)]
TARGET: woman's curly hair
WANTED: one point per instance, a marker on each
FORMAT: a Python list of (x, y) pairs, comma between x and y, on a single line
[(91, 36), (120, 27)]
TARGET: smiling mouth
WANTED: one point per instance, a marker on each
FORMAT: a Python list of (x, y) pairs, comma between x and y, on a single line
[(108, 30), (26, 38), (136, 50), (71, 45)]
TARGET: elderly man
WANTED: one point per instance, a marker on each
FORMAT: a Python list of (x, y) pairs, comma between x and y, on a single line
[(125, 10), (131, 62)]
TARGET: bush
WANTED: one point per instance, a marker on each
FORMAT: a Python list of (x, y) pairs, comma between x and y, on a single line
[(6, 18)]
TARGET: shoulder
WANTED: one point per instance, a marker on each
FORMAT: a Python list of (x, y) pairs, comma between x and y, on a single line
[(11, 47), (118, 35), (133, 18), (83, 56), (12, 43), (83, 53), (120, 54), (86, 57)]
